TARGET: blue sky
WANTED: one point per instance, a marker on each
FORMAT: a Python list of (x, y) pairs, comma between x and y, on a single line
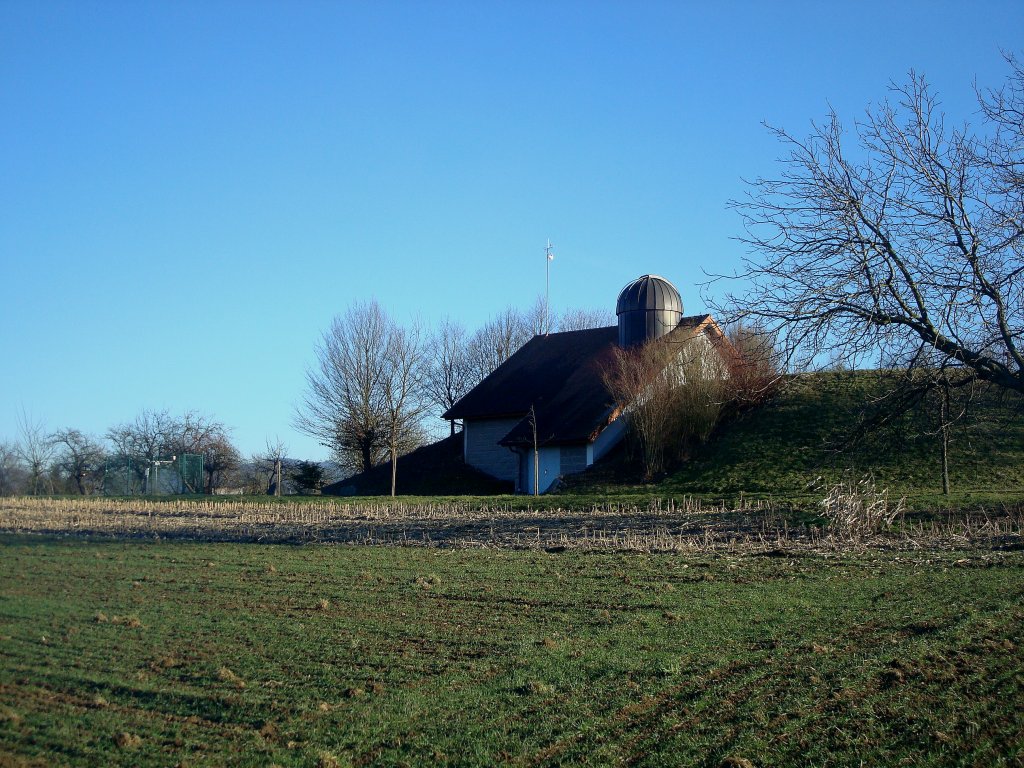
[(191, 190)]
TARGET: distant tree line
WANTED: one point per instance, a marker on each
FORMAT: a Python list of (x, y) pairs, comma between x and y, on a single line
[(70, 461), (378, 388)]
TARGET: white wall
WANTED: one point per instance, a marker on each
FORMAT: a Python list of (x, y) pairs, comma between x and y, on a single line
[(607, 440)]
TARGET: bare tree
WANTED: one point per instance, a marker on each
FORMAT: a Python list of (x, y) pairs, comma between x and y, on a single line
[(11, 470), (906, 252), (192, 433), (539, 319), (220, 459), (144, 439), (36, 450), (155, 436), (582, 319), (369, 372), (402, 392), (448, 375), (80, 458), (270, 464), (342, 407), (203, 435), (496, 342)]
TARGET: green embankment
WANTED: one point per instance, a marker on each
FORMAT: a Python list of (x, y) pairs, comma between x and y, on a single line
[(801, 439), (146, 654)]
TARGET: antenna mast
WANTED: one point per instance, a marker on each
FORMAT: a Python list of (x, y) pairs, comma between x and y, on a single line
[(547, 285)]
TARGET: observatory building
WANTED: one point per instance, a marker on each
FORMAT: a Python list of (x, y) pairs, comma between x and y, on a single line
[(551, 395)]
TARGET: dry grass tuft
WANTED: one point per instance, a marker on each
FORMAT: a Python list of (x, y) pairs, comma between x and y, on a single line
[(327, 760), (353, 693), (323, 604), (100, 618), (127, 740), (8, 715), (428, 582), (538, 688), (127, 621), (164, 662), (225, 675), (99, 702)]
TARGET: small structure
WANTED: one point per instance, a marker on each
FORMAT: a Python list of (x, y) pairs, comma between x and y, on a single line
[(546, 412), (140, 476)]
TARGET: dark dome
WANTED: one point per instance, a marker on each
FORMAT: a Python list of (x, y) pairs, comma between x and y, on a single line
[(648, 308), (649, 292)]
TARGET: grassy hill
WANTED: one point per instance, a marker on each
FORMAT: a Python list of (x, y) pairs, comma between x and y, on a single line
[(431, 470), (788, 449), (802, 438)]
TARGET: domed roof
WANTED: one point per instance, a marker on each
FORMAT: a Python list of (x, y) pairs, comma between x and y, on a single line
[(649, 292)]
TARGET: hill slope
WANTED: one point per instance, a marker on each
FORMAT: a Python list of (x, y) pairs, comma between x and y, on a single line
[(435, 469), (802, 436)]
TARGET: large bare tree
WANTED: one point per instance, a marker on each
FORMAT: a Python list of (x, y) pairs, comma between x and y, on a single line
[(342, 407), (899, 244), (361, 388)]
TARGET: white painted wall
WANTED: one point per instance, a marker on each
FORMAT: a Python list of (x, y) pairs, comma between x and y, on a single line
[(607, 440)]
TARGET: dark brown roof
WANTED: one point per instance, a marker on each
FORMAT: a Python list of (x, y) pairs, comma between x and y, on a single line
[(537, 373), (560, 376)]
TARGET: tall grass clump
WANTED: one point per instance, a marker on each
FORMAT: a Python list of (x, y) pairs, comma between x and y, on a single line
[(856, 509)]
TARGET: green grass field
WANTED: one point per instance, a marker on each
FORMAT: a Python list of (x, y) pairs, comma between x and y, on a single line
[(136, 654)]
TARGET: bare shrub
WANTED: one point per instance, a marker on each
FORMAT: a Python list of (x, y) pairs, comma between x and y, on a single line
[(671, 391), (755, 365)]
